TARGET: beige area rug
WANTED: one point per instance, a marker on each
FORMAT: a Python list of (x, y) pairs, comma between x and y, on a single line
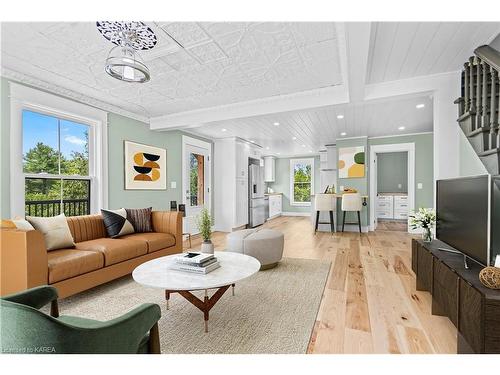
[(272, 311)]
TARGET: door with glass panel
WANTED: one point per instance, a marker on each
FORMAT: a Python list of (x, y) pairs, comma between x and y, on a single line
[(196, 184)]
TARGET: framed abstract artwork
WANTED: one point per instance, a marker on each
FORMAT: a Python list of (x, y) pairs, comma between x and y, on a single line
[(145, 167), (352, 162)]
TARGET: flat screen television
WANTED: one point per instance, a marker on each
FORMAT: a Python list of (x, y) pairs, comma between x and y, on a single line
[(463, 215)]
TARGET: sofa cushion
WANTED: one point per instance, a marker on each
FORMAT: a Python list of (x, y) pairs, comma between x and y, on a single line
[(114, 250), (55, 231), (67, 263), (86, 227), (155, 241), (117, 222)]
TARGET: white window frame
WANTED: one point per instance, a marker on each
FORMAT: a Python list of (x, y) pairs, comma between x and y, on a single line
[(26, 98), (293, 162)]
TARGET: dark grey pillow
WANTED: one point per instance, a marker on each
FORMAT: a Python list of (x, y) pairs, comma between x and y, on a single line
[(116, 222), (140, 219)]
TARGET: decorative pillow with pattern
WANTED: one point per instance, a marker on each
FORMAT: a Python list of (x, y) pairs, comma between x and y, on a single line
[(140, 219), (117, 223)]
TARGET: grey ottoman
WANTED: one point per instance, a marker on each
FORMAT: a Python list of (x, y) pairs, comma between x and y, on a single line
[(266, 245)]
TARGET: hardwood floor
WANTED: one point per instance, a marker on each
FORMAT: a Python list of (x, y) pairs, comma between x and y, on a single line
[(369, 304)]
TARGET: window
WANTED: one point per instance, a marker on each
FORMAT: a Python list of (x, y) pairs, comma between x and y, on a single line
[(56, 165), (301, 181), (197, 178)]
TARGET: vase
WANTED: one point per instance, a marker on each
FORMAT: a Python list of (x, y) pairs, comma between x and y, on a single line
[(427, 235), (207, 247)]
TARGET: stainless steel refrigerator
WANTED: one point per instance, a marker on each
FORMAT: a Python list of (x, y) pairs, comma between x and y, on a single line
[(256, 199)]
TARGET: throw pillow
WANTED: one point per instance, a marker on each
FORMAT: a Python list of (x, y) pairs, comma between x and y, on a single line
[(140, 219), (55, 231), (116, 222)]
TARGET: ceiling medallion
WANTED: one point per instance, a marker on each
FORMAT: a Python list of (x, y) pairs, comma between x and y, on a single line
[(123, 62)]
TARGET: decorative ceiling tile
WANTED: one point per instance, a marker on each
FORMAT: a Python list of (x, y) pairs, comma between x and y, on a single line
[(224, 62), (186, 33), (207, 52)]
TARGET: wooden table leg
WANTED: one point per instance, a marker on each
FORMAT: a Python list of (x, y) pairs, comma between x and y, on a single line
[(167, 297), (204, 305), (232, 285)]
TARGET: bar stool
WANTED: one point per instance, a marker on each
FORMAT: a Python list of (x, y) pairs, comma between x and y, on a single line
[(351, 202), (324, 202)]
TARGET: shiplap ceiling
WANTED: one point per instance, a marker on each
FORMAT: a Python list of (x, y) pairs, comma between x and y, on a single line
[(193, 65), (316, 127), (410, 49)]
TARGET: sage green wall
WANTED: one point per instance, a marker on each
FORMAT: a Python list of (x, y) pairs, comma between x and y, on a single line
[(5, 148), (392, 172), (469, 163), (122, 128), (282, 182)]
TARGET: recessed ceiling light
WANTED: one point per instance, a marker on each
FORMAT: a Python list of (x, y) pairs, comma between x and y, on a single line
[(276, 124), (224, 129), (343, 133), (252, 141), (294, 138), (419, 106), (267, 148), (303, 145), (278, 153), (401, 128), (310, 150), (340, 117)]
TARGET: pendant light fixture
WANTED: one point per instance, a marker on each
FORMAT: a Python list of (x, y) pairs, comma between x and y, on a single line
[(123, 61)]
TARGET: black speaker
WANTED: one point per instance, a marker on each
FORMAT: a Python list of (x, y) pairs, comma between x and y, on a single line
[(173, 205), (182, 208)]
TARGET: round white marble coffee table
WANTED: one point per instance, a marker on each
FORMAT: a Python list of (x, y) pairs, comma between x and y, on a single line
[(234, 267)]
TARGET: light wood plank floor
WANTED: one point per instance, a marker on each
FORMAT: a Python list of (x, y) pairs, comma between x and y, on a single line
[(370, 304)]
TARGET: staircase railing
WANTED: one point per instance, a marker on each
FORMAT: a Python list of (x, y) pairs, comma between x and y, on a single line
[(480, 99)]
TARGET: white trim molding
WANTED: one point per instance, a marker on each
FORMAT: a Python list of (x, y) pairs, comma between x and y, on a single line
[(379, 149), (292, 181), (70, 94), (293, 213), (23, 97)]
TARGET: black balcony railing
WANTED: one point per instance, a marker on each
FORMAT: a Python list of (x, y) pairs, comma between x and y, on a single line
[(70, 207)]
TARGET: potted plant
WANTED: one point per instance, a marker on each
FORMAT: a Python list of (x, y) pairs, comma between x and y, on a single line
[(424, 218), (204, 222)]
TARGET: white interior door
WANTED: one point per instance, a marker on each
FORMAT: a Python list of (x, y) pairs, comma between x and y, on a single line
[(196, 181)]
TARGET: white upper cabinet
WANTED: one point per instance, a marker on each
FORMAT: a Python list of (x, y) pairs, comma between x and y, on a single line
[(242, 153), (269, 168), (328, 158)]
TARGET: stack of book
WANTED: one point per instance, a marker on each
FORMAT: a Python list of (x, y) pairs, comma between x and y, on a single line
[(196, 263)]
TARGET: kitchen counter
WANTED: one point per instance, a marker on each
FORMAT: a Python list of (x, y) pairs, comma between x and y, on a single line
[(393, 194), (267, 194)]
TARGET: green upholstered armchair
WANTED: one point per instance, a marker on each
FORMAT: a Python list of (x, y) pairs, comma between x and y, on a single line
[(25, 329)]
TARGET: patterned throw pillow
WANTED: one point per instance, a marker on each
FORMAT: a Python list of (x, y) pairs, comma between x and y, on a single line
[(116, 222), (140, 219)]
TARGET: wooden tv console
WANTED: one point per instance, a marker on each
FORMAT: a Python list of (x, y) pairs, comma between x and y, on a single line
[(458, 294)]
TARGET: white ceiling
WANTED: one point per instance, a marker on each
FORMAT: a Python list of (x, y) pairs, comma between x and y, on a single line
[(409, 49), (200, 68), (316, 127), (208, 64)]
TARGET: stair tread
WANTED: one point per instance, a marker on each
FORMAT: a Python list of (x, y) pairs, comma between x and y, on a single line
[(484, 129), (490, 152)]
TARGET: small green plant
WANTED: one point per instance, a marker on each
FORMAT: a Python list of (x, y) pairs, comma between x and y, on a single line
[(204, 223)]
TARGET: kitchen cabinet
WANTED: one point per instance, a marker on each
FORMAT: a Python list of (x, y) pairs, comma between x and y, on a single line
[(391, 206), (275, 205), (231, 182), (269, 168)]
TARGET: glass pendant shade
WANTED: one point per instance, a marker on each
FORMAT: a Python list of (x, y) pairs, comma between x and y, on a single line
[(125, 64)]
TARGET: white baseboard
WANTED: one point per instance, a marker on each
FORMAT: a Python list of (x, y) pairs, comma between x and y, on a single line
[(295, 214)]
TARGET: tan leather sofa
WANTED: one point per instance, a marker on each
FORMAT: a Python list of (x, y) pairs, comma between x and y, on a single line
[(95, 259)]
